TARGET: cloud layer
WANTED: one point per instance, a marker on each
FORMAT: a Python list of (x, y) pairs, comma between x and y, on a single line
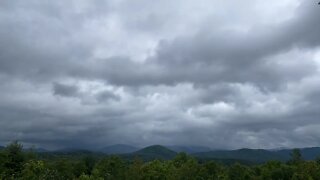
[(220, 74)]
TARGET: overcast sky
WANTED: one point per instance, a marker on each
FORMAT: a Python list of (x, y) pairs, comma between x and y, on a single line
[(218, 73)]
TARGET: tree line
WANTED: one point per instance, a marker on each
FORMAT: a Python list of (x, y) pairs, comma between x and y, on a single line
[(15, 163)]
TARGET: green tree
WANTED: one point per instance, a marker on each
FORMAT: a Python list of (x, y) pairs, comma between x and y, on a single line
[(83, 166), (307, 170), (240, 172), (14, 160), (188, 170), (2, 162), (88, 177), (111, 168), (155, 170), (296, 156), (79, 168), (63, 169), (212, 170), (89, 163), (35, 170), (135, 170), (276, 170), (318, 160), (180, 159)]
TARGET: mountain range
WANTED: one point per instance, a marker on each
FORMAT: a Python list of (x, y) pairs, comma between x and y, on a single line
[(151, 153), (189, 149), (246, 156), (118, 149), (258, 155)]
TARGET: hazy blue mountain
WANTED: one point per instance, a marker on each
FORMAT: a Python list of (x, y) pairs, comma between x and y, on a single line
[(310, 153), (152, 152), (189, 149), (119, 149), (72, 151), (307, 153), (40, 150), (30, 149), (259, 155), (253, 155), (36, 149), (245, 156)]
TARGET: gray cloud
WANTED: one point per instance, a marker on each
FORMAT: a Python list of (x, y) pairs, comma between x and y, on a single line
[(107, 95), (65, 90), (87, 74)]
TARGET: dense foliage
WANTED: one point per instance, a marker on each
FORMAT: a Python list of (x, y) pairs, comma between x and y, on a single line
[(18, 164)]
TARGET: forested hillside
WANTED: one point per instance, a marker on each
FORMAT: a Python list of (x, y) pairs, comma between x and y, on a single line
[(15, 163)]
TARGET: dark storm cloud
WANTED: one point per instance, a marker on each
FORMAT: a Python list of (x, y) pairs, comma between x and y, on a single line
[(84, 74), (234, 57), (107, 95), (209, 56), (225, 56), (65, 90)]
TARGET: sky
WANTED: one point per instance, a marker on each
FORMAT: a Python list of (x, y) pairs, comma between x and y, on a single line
[(223, 74)]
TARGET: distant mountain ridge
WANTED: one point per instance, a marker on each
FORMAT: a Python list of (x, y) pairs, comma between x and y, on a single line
[(189, 149), (68, 150), (36, 149), (245, 155), (118, 149), (152, 152), (259, 155), (29, 149), (253, 155), (309, 153)]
